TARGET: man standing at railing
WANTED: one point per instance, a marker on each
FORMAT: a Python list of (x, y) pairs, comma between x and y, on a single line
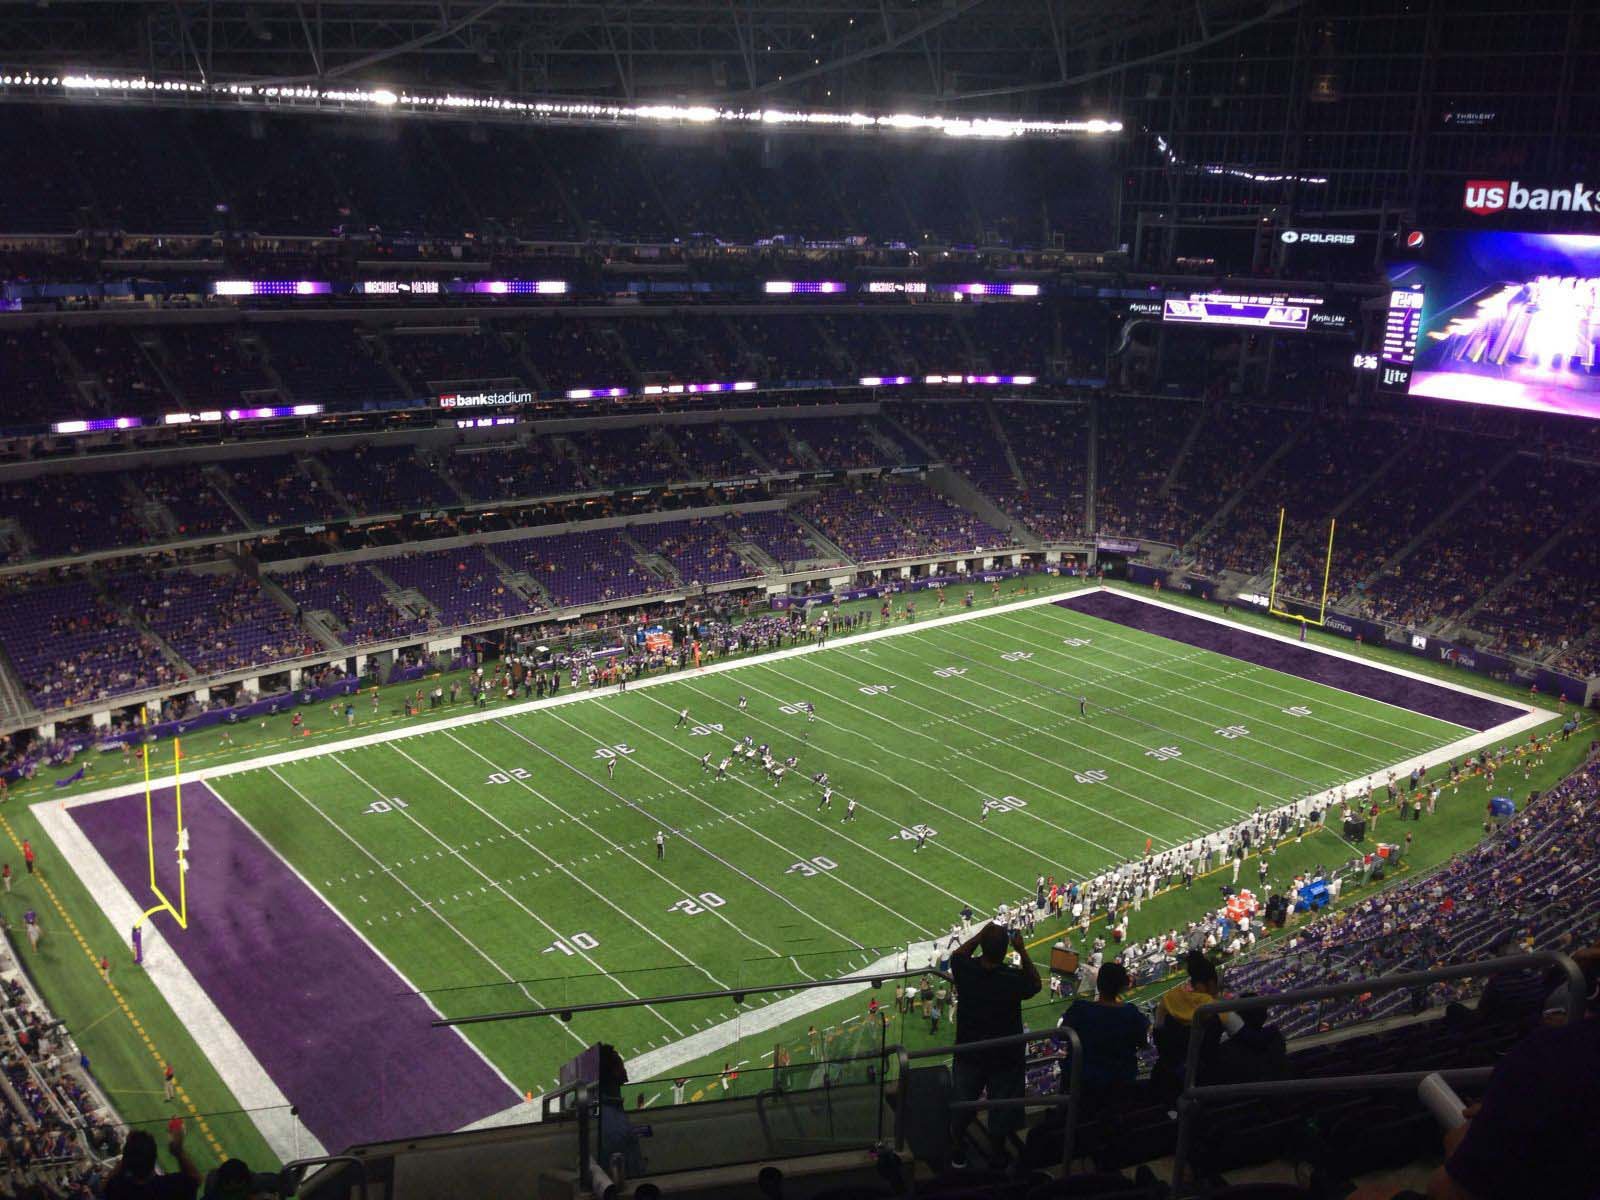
[(990, 995)]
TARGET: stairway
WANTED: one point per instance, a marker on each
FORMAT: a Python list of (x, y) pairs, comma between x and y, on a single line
[(218, 479), (819, 539), (1005, 443), (955, 487), (1256, 476), (1461, 500), (1581, 525), (1202, 418), (316, 469), (319, 623), (167, 651)]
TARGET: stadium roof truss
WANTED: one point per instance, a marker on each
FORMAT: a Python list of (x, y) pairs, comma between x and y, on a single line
[(1005, 57)]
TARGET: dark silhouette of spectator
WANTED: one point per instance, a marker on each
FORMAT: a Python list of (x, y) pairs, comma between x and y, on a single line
[(990, 996), (135, 1175), (1535, 1132), (1253, 1053), (617, 1135), (1175, 1019), (1112, 1033)]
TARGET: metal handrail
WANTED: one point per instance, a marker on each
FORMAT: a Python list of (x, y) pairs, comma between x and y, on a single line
[(1193, 1095), (1069, 1100), (290, 1177), (737, 995)]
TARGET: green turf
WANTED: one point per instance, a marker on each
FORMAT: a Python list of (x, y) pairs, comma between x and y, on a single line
[(926, 752), (468, 885)]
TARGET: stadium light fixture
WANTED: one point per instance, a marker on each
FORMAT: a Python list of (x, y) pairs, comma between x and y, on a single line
[(134, 88)]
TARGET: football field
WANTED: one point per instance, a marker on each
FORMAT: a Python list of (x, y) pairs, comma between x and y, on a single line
[(586, 850)]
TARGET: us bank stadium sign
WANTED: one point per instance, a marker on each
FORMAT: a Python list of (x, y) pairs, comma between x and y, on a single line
[(483, 399), (1484, 197)]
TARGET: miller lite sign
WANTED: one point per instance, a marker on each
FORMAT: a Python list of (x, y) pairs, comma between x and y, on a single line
[(1486, 196)]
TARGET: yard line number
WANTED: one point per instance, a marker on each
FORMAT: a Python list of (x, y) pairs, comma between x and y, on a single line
[(692, 906), (616, 751), (812, 866), (1005, 804), (508, 775), (578, 941)]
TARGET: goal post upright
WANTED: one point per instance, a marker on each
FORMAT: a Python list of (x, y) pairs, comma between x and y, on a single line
[(1327, 576), (1322, 612), (180, 913)]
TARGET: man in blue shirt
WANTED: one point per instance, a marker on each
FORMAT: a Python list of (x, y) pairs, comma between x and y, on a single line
[(1112, 1033)]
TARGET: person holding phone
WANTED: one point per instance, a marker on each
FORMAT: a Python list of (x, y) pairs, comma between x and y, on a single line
[(989, 994)]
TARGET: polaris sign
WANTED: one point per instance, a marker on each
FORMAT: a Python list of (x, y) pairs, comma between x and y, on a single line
[(1485, 196), (1290, 237)]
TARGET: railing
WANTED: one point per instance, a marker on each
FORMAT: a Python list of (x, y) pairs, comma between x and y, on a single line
[(1068, 1098), (293, 1173), (864, 1104), (566, 1011), (1194, 1096)]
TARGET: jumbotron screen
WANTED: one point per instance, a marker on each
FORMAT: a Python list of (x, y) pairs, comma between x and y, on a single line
[(1509, 319)]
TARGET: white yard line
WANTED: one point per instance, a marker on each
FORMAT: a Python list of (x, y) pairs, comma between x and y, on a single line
[(1053, 733), (571, 875), (577, 696), (768, 723), (1259, 674), (1544, 715), (922, 797)]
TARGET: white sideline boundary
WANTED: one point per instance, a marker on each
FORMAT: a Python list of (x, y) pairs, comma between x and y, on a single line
[(239, 1068), (250, 1082)]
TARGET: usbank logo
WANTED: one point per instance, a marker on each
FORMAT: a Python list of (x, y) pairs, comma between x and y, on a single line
[(1485, 196)]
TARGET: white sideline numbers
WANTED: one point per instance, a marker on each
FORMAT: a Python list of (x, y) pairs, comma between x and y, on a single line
[(1232, 731), (616, 751), (383, 806), (690, 907), (1074, 642), (950, 672), (582, 941), (1094, 776), (1298, 710), (1164, 753), (811, 866), (703, 730), (1017, 655), (874, 689), (508, 775), (789, 710), (915, 832)]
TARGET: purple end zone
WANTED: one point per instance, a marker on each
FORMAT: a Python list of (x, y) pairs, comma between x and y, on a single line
[(323, 1014), (1430, 699)]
